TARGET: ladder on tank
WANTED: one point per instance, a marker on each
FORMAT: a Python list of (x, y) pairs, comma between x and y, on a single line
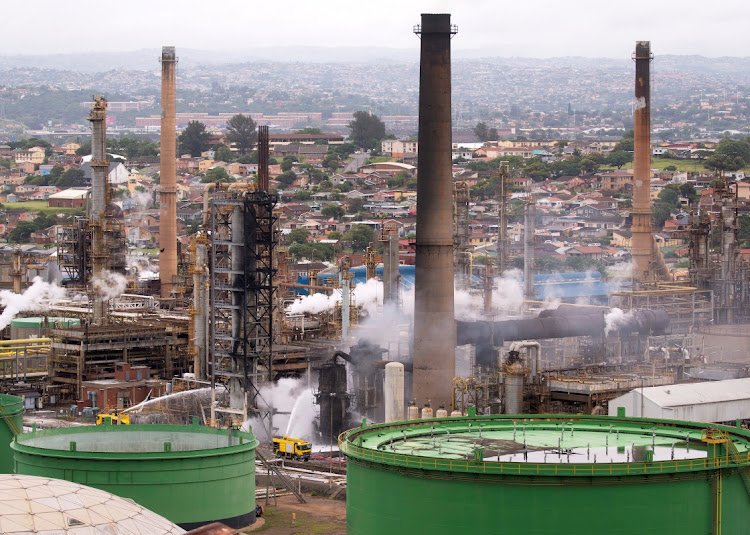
[(285, 481), (718, 436), (9, 421)]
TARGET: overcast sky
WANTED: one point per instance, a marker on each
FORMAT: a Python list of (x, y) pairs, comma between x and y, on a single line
[(527, 28)]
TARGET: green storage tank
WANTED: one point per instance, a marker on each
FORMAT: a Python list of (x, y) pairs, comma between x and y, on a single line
[(31, 327), (546, 475), (11, 424), (191, 475)]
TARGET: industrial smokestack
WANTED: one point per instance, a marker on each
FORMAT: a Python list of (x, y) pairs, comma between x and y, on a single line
[(167, 173), (528, 249), (434, 323), (99, 187), (263, 143), (642, 239)]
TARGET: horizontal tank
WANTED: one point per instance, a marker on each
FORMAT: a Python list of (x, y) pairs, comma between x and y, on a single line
[(11, 423), (191, 475), (546, 474), (35, 327)]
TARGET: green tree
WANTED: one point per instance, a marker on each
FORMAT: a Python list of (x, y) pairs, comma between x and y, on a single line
[(302, 195), (22, 232), (309, 130), (216, 175), (355, 206), (336, 235), (360, 236), (241, 131), (366, 129), (482, 131), (618, 158), (333, 210), (71, 178), (298, 235), (331, 162), (223, 153), (670, 195), (288, 162), (660, 213), (627, 143), (688, 190), (287, 178), (193, 139), (721, 162)]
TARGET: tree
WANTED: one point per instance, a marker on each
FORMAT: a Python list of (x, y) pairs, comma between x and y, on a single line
[(336, 235), (241, 132), (688, 190), (618, 158), (670, 195), (302, 195), (627, 143), (723, 162), (355, 205), (331, 162), (309, 130), (223, 153), (71, 178), (360, 236), (287, 163), (366, 129), (482, 132), (298, 235), (216, 175), (287, 178), (193, 139), (333, 210)]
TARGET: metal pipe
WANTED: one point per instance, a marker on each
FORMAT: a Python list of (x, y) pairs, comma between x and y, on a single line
[(434, 331), (168, 174), (641, 322), (206, 201), (528, 249)]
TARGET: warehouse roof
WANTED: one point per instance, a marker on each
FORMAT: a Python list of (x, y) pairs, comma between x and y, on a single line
[(71, 193), (695, 393)]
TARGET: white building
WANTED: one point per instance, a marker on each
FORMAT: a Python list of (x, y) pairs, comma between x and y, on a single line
[(710, 402)]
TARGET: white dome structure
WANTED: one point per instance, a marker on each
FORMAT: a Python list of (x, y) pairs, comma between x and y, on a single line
[(30, 504)]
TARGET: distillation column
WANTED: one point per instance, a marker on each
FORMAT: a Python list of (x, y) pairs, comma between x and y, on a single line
[(528, 249), (168, 174), (99, 186), (434, 322)]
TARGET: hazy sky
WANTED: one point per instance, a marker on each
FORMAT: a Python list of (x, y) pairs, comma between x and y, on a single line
[(537, 28)]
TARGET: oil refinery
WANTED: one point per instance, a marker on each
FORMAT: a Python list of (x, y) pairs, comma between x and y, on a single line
[(452, 391)]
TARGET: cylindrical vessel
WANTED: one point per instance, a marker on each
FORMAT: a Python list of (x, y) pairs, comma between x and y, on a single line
[(455, 413), (635, 475), (11, 424), (426, 413), (513, 393), (413, 412), (191, 475), (441, 413), (434, 327), (394, 392)]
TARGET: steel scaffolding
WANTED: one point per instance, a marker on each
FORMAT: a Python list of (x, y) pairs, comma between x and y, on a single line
[(243, 227)]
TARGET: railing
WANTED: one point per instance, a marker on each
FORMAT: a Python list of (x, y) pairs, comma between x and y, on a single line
[(542, 469)]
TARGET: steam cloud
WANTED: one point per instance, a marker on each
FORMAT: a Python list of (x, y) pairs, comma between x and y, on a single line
[(614, 319), (296, 411), (109, 284), (36, 297), (144, 199)]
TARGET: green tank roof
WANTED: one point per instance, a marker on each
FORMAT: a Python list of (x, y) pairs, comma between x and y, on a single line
[(39, 321)]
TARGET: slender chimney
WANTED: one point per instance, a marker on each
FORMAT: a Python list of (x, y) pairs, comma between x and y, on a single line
[(642, 246), (434, 321), (99, 187), (168, 174), (263, 144)]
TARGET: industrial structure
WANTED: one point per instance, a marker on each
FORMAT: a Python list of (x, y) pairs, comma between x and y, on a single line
[(192, 475), (434, 335), (508, 467), (168, 174)]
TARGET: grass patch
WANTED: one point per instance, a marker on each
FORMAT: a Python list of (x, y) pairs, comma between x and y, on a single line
[(40, 206), (278, 520)]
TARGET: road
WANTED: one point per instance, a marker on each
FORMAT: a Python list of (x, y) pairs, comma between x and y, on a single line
[(356, 162)]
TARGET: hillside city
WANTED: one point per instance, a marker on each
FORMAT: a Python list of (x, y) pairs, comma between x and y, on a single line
[(344, 150)]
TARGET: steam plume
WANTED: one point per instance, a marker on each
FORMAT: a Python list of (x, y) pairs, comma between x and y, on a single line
[(36, 297)]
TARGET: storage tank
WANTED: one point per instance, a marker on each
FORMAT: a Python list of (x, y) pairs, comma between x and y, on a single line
[(189, 474), (35, 327), (547, 474), (394, 392), (513, 392), (11, 423), (412, 412)]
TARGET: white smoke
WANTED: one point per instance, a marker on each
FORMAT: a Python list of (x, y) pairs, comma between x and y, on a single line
[(366, 295), (144, 199), (36, 297), (109, 284), (620, 270), (508, 296), (614, 319), (295, 411)]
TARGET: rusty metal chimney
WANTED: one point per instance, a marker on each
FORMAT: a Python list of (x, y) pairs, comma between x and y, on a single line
[(168, 174), (263, 147), (642, 245), (99, 196), (434, 321)]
